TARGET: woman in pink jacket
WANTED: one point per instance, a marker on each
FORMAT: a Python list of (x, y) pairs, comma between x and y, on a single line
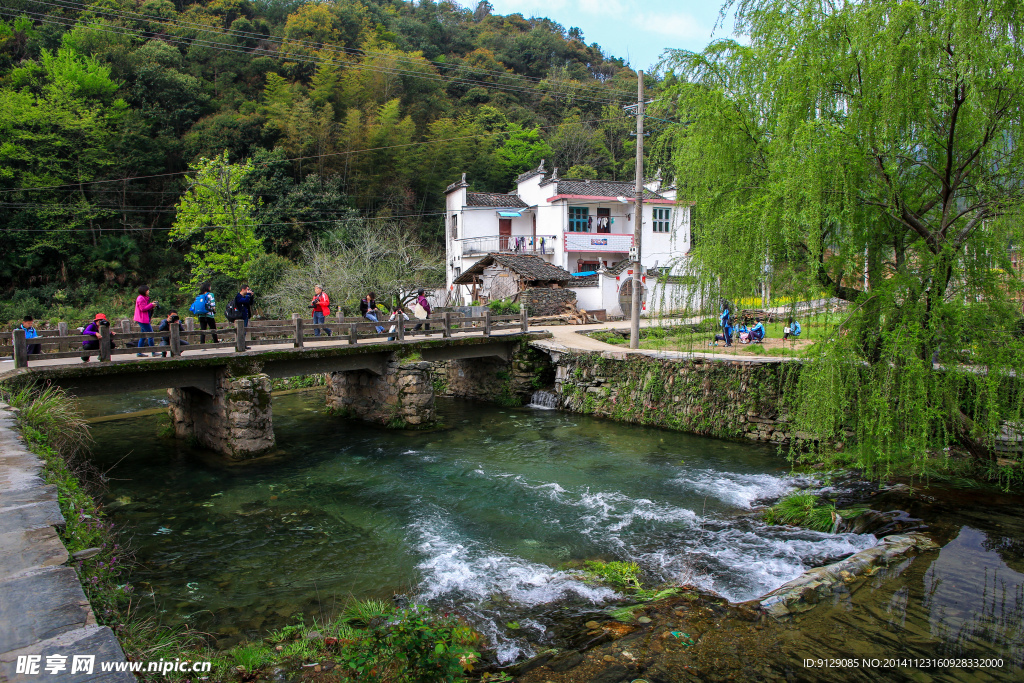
[(143, 309)]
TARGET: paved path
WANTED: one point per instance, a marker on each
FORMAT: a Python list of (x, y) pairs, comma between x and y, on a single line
[(567, 338), (43, 610)]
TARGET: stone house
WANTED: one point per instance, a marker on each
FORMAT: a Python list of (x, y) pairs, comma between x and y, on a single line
[(525, 278)]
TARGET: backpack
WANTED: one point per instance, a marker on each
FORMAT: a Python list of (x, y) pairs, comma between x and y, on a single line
[(232, 313), (198, 306)]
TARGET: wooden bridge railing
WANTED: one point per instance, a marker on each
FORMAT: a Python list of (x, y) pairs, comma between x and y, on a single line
[(121, 340)]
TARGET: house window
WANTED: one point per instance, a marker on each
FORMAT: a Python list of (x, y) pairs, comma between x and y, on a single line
[(578, 219), (662, 220), (455, 226)]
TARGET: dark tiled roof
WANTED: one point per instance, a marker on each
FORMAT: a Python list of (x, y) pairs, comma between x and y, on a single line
[(494, 199), (456, 185), (585, 281), (618, 267), (602, 188), (530, 267), (532, 172)]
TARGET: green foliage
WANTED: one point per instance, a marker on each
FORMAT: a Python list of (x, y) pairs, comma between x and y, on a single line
[(503, 307), (617, 573), (251, 657), (806, 510), (215, 217), (844, 143)]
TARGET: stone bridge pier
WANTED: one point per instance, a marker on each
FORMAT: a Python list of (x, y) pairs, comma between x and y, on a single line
[(402, 396), (236, 420)]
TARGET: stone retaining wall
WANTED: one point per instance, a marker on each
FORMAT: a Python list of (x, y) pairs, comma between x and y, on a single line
[(732, 399), (541, 301)]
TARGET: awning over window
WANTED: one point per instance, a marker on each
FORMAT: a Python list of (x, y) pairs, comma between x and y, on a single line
[(509, 214)]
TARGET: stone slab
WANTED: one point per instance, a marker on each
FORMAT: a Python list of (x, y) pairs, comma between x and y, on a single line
[(31, 494), (41, 605), (30, 516), (21, 551), (95, 640)]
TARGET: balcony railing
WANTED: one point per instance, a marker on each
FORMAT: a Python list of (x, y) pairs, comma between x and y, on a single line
[(509, 244)]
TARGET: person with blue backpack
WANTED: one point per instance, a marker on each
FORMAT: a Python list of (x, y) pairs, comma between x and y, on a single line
[(204, 308), (792, 330)]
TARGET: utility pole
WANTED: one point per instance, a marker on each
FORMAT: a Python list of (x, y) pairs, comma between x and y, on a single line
[(638, 223)]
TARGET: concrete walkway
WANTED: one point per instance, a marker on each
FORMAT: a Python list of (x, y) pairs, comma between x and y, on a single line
[(568, 338), (43, 609)]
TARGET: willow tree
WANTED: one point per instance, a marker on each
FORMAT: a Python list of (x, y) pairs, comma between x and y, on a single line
[(870, 149)]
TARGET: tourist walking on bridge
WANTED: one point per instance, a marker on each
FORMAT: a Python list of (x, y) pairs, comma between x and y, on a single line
[(422, 309), (143, 310), (204, 308), (321, 305)]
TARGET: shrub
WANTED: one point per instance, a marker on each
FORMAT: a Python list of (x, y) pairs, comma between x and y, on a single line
[(503, 307)]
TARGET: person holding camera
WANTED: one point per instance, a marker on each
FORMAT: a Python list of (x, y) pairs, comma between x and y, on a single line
[(92, 334), (165, 326), (243, 303), (321, 305), (143, 309)]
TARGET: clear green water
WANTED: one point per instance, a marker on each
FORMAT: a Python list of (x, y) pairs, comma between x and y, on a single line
[(481, 518)]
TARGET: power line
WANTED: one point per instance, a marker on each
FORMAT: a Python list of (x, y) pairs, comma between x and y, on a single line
[(127, 31), (9, 231), (337, 49)]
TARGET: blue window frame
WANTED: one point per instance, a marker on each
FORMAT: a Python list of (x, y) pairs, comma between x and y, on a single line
[(578, 219), (662, 220)]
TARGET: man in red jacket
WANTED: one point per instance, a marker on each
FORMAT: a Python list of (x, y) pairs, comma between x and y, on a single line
[(321, 306)]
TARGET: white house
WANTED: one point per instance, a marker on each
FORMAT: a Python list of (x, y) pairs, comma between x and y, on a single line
[(583, 226)]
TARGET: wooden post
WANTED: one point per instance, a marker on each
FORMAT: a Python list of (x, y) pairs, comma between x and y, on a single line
[(20, 349), (239, 336), (447, 324), (62, 332), (104, 343), (400, 326), (523, 318), (126, 326), (353, 333), (487, 322), (175, 340), (190, 324), (299, 331)]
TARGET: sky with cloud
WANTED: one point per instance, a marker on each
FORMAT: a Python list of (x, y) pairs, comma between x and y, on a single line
[(634, 30)]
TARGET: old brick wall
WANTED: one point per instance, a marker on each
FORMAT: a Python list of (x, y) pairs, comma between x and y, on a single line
[(402, 397)]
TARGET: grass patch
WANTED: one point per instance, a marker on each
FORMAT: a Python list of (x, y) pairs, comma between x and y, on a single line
[(809, 511)]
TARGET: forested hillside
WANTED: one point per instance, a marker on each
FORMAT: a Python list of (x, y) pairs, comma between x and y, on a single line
[(332, 116)]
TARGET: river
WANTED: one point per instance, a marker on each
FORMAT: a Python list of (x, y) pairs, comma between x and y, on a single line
[(488, 517)]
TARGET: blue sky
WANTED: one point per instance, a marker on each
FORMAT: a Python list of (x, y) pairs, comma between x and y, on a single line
[(639, 31)]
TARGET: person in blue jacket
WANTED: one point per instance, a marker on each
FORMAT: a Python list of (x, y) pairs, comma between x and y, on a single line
[(725, 320), (29, 325), (792, 330), (757, 332)]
